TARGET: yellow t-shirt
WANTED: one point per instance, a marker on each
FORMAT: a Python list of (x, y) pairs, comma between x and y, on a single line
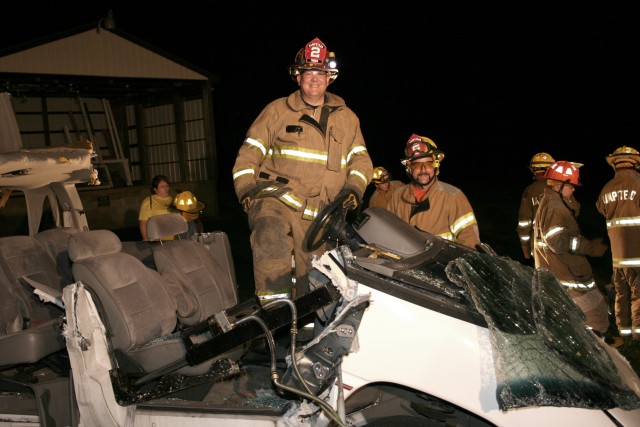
[(154, 205)]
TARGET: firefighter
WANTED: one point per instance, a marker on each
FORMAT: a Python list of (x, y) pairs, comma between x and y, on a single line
[(560, 247), (301, 152), (384, 187), (619, 203), (530, 200), (429, 204), (190, 208)]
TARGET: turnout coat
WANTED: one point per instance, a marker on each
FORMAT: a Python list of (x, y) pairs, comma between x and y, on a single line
[(444, 211), (303, 155)]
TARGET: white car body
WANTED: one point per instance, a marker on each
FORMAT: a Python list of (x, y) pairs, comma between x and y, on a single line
[(459, 369)]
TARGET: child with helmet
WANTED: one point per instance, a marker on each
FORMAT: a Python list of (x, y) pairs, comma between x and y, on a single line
[(384, 187), (190, 208)]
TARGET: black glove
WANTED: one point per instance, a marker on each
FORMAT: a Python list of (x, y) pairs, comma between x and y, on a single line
[(247, 199), (351, 199)]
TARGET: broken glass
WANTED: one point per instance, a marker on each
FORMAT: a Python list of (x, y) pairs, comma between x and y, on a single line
[(544, 353)]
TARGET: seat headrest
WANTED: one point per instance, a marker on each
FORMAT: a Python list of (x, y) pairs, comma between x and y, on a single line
[(170, 224), (89, 244)]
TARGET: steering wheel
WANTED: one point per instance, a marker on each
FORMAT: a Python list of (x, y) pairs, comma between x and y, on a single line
[(328, 225)]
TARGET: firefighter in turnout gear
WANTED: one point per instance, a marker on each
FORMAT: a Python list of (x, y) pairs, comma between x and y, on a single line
[(385, 187), (530, 200), (560, 247), (429, 204), (619, 203), (301, 152)]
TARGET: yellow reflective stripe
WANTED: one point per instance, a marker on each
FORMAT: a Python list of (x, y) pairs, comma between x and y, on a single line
[(257, 144), (310, 212), (553, 231), (626, 262), (624, 331), (446, 236), (312, 156), (631, 221), (242, 172), (290, 200), (525, 238), (462, 222), (269, 189), (524, 223), (356, 150), (575, 244), (359, 175)]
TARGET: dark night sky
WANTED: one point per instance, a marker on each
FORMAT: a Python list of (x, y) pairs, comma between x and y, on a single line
[(491, 86)]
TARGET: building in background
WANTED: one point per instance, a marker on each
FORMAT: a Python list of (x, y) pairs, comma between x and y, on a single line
[(146, 112)]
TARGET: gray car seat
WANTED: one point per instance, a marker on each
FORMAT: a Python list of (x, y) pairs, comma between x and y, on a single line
[(24, 256), (138, 310), (29, 328), (204, 281), (56, 243)]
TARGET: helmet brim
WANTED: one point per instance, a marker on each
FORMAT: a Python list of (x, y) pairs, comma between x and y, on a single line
[(199, 206), (613, 159), (296, 70)]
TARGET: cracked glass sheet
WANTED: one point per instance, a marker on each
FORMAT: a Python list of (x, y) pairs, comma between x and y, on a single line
[(544, 354)]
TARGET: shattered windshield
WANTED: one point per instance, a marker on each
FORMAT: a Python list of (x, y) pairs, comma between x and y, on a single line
[(543, 353)]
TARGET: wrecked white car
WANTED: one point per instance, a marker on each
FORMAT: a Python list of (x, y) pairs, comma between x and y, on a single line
[(410, 330)]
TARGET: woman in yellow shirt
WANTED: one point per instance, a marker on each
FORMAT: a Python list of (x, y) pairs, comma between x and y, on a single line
[(158, 203)]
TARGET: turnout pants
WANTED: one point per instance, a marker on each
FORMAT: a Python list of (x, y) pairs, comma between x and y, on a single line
[(277, 233), (594, 307), (627, 304)]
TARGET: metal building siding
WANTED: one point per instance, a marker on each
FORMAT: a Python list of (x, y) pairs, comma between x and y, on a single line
[(94, 53), (195, 142), (162, 147), (134, 145)]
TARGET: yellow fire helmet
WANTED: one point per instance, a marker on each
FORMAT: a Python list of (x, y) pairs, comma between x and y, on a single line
[(540, 162), (623, 155), (187, 202), (380, 175)]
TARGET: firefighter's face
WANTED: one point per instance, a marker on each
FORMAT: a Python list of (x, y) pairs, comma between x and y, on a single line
[(384, 183), (383, 186), (567, 191), (423, 170), (313, 83)]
